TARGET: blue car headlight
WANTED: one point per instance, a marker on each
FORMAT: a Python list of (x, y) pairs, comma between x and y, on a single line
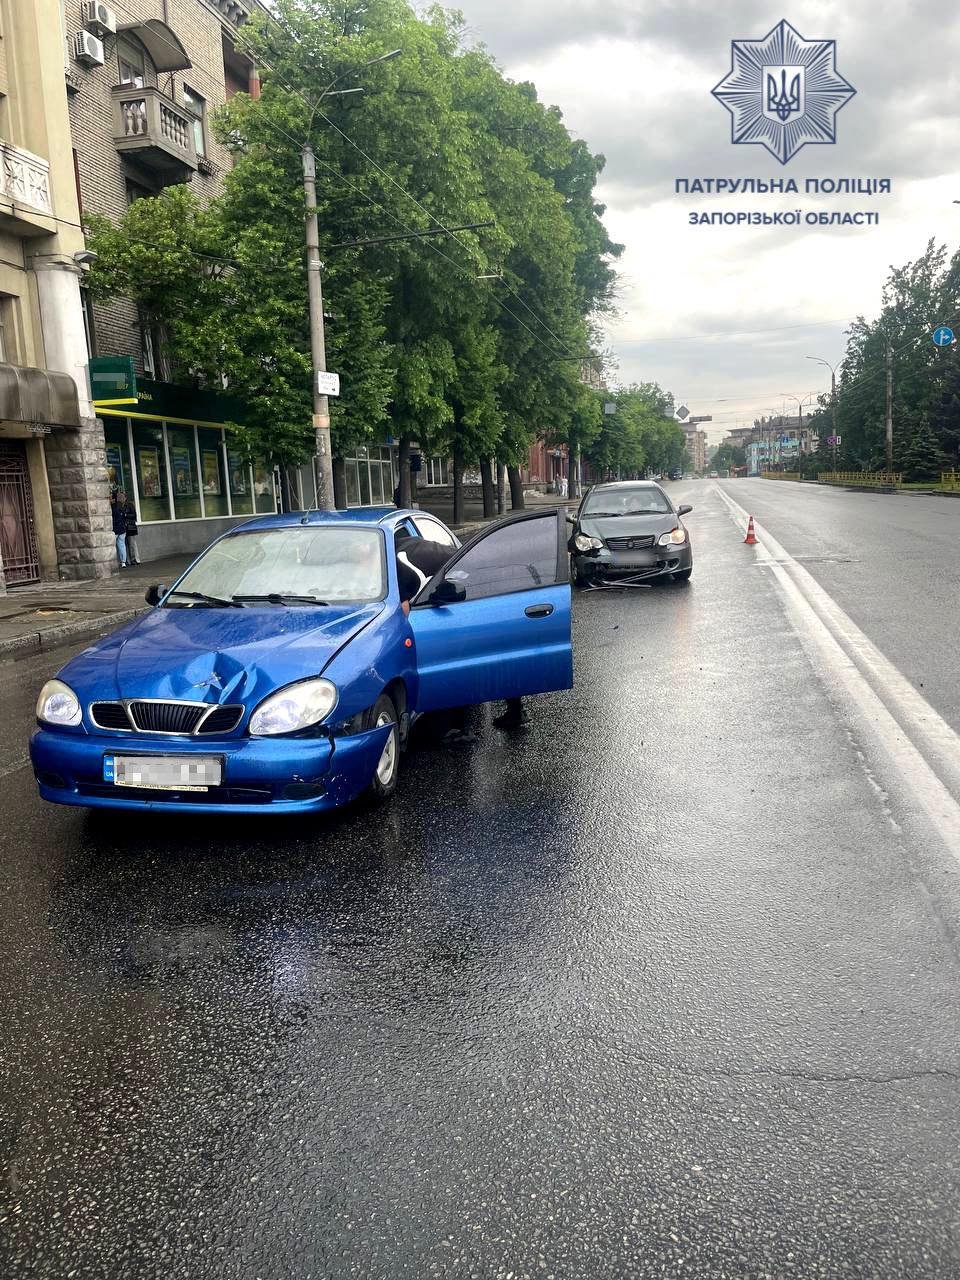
[(58, 704), (298, 706)]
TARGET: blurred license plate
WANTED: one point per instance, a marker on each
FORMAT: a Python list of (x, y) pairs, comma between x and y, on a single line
[(164, 773)]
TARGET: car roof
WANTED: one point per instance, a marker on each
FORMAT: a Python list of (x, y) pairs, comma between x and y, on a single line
[(626, 484), (387, 516)]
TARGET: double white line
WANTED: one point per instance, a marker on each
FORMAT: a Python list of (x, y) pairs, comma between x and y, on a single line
[(910, 753)]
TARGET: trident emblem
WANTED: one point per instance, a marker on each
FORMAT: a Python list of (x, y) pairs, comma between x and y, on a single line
[(781, 100)]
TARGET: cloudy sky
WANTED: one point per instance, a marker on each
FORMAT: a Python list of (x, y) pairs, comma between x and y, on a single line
[(725, 317)]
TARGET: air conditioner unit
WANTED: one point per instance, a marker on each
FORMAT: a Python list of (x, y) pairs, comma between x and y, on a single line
[(99, 18), (88, 50)]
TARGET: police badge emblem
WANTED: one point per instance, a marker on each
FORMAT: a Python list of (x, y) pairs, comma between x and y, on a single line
[(783, 92)]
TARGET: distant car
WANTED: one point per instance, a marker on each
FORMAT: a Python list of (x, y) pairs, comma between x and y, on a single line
[(676, 474), (629, 532), (281, 672), (714, 475)]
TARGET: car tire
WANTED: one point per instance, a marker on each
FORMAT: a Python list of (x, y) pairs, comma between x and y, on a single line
[(683, 575), (383, 783), (580, 579)]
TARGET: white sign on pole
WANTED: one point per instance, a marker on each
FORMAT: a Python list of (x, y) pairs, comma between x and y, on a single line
[(328, 384)]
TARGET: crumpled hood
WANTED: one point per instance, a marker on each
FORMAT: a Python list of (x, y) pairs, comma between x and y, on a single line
[(630, 526), (214, 655)]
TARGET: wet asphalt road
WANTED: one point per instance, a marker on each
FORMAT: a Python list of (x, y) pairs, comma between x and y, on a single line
[(655, 987)]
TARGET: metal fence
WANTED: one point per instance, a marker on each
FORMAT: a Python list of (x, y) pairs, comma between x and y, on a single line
[(950, 480), (780, 475), (862, 479)]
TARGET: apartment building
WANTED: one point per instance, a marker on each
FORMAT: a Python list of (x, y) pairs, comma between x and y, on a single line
[(54, 516), (144, 79)]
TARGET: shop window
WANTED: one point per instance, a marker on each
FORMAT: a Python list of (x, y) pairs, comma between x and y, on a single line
[(118, 455), (241, 488), (263, 489), (151, 472), (211, 471), (181, 444)]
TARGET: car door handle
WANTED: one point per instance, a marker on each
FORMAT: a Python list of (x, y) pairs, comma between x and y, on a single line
[(539, 610)]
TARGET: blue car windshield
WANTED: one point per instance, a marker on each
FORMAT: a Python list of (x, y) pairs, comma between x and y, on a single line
[(295, 565)]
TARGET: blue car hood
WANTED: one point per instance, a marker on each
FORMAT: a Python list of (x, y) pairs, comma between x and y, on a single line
[(214, 655)]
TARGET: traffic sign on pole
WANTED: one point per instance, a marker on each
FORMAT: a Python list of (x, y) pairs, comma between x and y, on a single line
[(943, 336), (328, 384)]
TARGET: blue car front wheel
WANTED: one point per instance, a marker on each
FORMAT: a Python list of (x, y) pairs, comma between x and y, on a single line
[(384, 781)]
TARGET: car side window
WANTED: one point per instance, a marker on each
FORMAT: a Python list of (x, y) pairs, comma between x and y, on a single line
[(516, 557), (433, 531)]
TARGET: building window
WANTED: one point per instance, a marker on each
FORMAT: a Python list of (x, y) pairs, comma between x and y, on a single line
[(196, 108), (8, 331), (154, 341), (89, 330), (131, 64), (136, 192), (434, 471)]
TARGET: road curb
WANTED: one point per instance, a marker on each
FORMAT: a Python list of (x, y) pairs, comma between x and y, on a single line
[(55, 637)]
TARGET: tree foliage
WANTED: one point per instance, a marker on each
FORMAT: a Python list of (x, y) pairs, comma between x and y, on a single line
[(425, 349), (641, 435)]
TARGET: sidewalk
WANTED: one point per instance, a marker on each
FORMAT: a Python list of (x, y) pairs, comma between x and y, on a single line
[(50, 614)]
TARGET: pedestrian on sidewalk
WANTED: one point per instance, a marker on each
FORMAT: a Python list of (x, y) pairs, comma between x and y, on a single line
[(133, 531), (118, 513)]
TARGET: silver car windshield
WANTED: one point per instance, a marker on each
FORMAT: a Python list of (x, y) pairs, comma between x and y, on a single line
[(626, 502), (299, 565)]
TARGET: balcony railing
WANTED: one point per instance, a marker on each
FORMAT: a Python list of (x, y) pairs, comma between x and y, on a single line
[(151, 129)]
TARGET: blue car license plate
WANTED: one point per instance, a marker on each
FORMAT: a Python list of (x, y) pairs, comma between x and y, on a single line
[(164, 773)]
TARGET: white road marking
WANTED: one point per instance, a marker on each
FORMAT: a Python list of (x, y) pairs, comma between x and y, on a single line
[(905, 742)]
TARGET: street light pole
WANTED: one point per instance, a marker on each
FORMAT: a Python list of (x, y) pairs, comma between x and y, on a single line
[(322, 453), (800, 403), (833, 402), (323, 449), (888, 415)]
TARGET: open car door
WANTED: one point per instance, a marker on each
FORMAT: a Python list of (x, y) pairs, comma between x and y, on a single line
[(495, 621)]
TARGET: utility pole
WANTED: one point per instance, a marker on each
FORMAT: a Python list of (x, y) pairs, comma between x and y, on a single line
[(888, 361), (323, 455)]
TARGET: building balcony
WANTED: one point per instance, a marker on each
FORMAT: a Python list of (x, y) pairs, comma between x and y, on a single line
[(150, 129), (25, 206)]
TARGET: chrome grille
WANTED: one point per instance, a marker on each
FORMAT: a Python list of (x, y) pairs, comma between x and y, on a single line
[(184, 718), (166, 717), (221, 720), (629, 544), (110, 715)]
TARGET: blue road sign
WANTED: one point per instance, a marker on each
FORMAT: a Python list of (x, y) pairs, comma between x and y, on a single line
[(943, 336)]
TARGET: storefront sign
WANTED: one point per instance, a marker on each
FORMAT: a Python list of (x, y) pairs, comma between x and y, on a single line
[(113, 380)]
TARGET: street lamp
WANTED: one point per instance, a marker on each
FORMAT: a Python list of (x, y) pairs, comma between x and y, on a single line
[(323, 455), (833, 401), (800, 403)]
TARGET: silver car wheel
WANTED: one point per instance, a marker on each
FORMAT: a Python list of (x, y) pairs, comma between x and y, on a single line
[(387, 764)]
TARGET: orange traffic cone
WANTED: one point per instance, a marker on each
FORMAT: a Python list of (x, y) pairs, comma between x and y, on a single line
[(751, 539)]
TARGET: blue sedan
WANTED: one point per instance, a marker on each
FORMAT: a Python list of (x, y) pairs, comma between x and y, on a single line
[(282, 671)]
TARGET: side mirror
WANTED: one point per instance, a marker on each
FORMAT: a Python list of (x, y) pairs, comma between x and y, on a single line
[(683, 508), (153, 594), (448, 592), (571, 518)]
